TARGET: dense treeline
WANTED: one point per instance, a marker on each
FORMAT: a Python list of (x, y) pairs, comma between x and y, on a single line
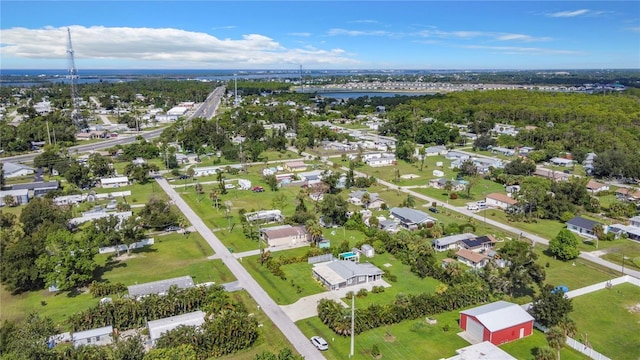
[(126, 313), (404, 307)]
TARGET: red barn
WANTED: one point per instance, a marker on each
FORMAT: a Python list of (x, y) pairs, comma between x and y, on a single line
[(498, 322)]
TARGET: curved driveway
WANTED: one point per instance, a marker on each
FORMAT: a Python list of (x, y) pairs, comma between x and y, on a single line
[(275, 313)]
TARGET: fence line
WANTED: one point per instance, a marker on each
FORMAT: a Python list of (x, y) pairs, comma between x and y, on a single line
[(585, 349)]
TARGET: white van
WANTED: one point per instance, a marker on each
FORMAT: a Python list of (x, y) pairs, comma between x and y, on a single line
[(472, 207)]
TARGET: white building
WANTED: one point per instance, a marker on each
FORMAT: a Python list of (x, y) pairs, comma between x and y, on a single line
[(114, 182), (161, 326), (99, 336), (11, 170)]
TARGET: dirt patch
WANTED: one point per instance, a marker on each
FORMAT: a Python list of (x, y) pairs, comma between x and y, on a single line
[(634, 308), (389, 338), (124, 257), (409, 176)]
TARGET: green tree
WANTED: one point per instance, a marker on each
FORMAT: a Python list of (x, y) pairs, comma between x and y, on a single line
[(157, 214), (334, 209), (42, 212), (27, 339), (314, 229), (68, 261), (545, 353), (129, 349), (564, 245), (551, 308), (99, 165), (280, 201), (179, 352), (77, 175), (272, 181), (522, 270)]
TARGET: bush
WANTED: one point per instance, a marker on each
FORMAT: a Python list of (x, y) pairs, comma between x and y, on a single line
[(377, 289), (362, 292), (349, 294), (453, 196), (375, 351), (99, 289)]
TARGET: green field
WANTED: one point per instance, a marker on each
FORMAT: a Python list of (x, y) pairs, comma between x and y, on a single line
[(609, 321)]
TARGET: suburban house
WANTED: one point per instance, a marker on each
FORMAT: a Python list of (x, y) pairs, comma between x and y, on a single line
[(481, 351), (344, 273), (582, 226), (284, 235), (450, 242), (12, 170), (499, 322), (410, 218), (435, 150), (160, 287), (99, 214), (114, 182), (37, 188), (440, 183), (558, 161), (379, 159), (503, 151), (628, 194), (161, 326), (295, 166), (632, 231), (264, 216), (99, 336), (595, 187), (552, 174), (501, 201), (388, 225), (478, 244), (375, 202), (472, 258), (20, 196)]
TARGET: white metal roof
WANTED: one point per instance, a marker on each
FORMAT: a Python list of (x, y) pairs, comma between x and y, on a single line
[(114, 180), (482, 351), (107, 330), (157, 287), (499, 315), (161, 326)]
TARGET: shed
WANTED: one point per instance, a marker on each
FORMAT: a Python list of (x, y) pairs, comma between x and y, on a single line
[(498, 322), (367, 250)]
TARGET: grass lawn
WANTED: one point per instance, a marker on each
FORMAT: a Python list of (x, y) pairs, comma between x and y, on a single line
[(584, 273), (624, 248), (526, 348), (478, 192), (548, 229), (605, 319), (408, 282), (414, 339), (171, 256), (282, 291)]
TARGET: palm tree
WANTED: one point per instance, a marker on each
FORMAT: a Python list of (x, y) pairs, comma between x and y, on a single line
[(556, 339), (545, 353), (366, 199), (314, 229)]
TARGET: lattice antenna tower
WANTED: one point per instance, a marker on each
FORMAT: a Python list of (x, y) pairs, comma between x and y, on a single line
[(73, 76)]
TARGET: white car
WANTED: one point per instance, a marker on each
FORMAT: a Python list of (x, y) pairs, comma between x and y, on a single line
[(319, 343)]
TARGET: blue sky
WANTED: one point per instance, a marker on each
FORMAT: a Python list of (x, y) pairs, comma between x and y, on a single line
[(321, 34)]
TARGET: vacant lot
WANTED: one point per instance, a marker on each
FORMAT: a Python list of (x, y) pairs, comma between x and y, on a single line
[(610, 321)]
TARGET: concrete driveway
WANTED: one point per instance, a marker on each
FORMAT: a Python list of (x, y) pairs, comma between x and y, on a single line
[(308, 306)]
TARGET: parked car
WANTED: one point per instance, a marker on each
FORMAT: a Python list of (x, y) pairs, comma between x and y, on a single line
[(258, 189), (319, 343), (434, 209), (172, 228)]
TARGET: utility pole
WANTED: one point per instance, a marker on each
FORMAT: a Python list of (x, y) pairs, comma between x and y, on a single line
[(73, 76), (353, 319)]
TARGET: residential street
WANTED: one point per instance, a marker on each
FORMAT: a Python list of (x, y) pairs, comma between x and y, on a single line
[(275, 313)]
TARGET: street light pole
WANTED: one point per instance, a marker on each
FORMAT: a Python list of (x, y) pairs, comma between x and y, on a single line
[(353, 318)]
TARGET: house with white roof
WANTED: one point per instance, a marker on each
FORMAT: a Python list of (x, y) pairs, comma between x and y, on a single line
[(13, 170), (99, 336), (114, 182), (158, 327), (160, 287)]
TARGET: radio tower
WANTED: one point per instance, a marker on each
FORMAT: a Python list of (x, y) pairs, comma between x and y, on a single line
[(73, 75)]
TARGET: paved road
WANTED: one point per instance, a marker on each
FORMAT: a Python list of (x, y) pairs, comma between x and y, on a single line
[(210, 106), (275, 313)]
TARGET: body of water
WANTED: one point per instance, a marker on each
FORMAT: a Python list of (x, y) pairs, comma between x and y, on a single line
[(357, 94)]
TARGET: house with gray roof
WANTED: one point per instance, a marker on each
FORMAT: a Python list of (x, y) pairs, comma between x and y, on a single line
[(410, 218), (161, 326), (20, 196), (440, 183), (12, 170), (160, 287), (284, 235), (37, 188), (375, 202), (450, 242), (99, 336), (344, 273), (582, 226)]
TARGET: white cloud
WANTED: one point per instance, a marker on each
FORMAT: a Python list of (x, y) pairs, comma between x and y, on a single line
[(338, 31), (634, 29), (523, 50), (303, 34), (494, 36), (574, 13), (166, 45)]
